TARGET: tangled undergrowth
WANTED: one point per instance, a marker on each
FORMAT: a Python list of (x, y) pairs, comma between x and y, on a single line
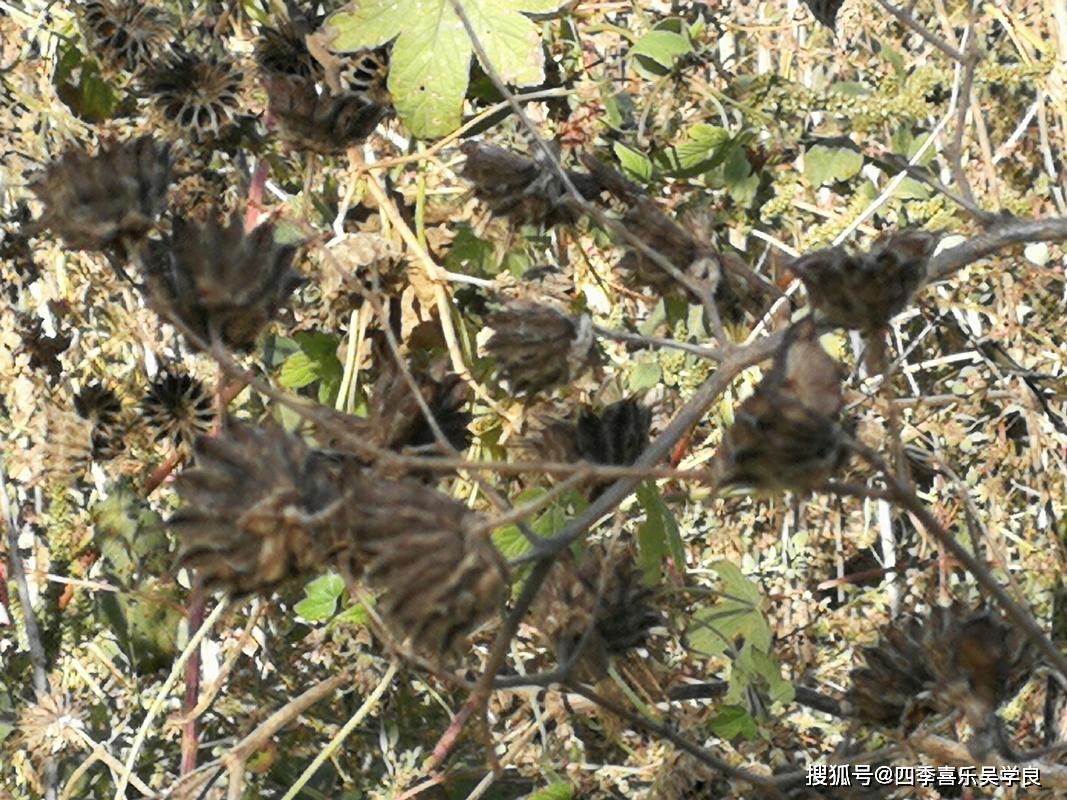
[(477, 399)]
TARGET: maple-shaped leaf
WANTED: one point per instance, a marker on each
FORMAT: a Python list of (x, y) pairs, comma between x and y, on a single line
[(430, 62)]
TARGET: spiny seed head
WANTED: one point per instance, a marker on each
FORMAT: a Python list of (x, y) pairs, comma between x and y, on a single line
[(94, 201), (257, 509), (864, 291), (538, 347), (786, 434), (441, 574), (526, 189), (198, 96), (219, 281), (954, 657), (320, 122), (178, 407), (126, 35)]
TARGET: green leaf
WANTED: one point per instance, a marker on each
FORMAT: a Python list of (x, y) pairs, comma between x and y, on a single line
[(321, 598), (827, 164), (471, 255), (644, 375), (430, 61), (704, 148), (737, 614), (557, 791), (911, 189), (633, 162), (656, 53), (658, 535), (509, 539), (733, 721), (315, 361), (129, 533)]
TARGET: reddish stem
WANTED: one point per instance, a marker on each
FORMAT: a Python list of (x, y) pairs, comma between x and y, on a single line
[(195, 615)]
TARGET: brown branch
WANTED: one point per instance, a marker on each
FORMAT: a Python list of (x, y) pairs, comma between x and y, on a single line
[(1004, 233)]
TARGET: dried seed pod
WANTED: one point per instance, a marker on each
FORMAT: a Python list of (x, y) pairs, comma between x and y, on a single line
[(441, 574), (894, 683), (865, 290), (394, 415), (617, 435), (526, 189), (786, 434), (538, 347), (222, 283), (126, 35), (955, 657), (320, 122), (258, 508), (93, 202), (178, 408), (686, 244), (195, 95), (600, 597), (103, 409), (283, 51), (825, 11)]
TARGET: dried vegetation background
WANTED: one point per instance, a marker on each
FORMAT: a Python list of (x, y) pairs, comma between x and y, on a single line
[(651, 526)]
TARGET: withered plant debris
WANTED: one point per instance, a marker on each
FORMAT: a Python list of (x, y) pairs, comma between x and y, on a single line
[(222, 283), (786, 435), (538, 348), (525, 188), (865, 290), (95, 201)]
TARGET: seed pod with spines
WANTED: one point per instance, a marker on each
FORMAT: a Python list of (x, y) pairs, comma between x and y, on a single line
[(319, 121), (786, 435), (956, 657), (441, 573), (394, 413), (219, 281), (195, 95), (863, 291), (257, 509), (685, 242), (103, 409), (177, 407), (525, 188), (538, 347), (602, 598), (94, 202), (126, 35)]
